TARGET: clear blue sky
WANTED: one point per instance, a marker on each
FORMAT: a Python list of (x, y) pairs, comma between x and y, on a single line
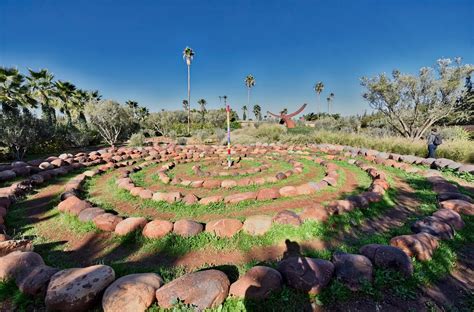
[(133, 49)]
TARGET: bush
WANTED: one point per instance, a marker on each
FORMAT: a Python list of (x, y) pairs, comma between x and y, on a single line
[(454, 133), (181, 141), (137, 140)]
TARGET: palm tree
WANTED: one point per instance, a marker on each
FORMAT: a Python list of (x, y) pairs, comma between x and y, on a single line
[(318, 88), (14, 94), (330, 99), (81, 99), (249, 83), (40, 84), (133, 105), (185, 105), (225, 100), (202, 103), (257, 111), (188, 55), (244, 114), (65, 96)]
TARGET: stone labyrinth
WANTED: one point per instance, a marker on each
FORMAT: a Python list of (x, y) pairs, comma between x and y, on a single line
[(168, 202)]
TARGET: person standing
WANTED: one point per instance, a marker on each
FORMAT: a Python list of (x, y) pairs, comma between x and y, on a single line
[(434, 140)]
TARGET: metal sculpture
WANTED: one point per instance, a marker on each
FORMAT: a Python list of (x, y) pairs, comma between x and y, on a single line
[(285, 119)]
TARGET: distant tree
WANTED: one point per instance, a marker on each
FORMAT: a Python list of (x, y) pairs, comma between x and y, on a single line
[(244, 112), (466, 104), (330, 99), (111, 120), (202, 104), (19, 132), (412, 104), (318, 88), (257, 111), (249, 83), (188, 56)]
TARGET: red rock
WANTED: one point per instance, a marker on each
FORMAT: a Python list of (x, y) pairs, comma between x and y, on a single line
[(267, 194), (210, 184), (145, 194), (287, 217), (257, 283), (421, 245), (134, 292), (136, 190), (18, 264), (73, 205), (304, 274), (372, 197), (203, 289), (257, 225), (129, 225), (433, 226), (460, 206), (197, 183), (237, 198), (315, 212), (211, 199), (388, 257), (352, 270), (157, 228), (243, 182), (170, 197), (330, 180), (450, 217), (190, 199), (228, 183), (224, 227), (340, 206), (305, 189), (280, 176), (288, 191), (107, 221), (89, 214), (187, 228), (382, 183)]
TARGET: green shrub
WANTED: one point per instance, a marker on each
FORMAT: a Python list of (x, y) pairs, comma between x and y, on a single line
[(137, 140), (454, 133), (181, 141)]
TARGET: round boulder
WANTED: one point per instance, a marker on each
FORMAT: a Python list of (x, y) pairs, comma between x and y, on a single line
[(287, 217), (130, 293), (458, 205), (157, 228), (352, 270), (433, 226), (129, 225), (187, 228), (306, 274), (388, 257), (257, 225), (421, 245), (450, 217), (78, 289), (224, 227), (314, 212), (36, 282), (18, 264), (73, 205), (257, 283), (203, 289), (107, 221), (89, 214)]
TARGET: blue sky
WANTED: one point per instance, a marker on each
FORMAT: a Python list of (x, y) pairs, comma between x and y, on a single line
[(133, 49)]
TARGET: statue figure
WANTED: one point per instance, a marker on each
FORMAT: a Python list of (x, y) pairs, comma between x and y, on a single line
[(285, 119)]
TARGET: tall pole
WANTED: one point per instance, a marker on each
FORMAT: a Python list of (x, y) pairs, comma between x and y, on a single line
[(229, 161)]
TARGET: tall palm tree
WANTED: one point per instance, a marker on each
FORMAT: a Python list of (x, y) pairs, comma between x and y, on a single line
[(14, 94), (318, 88), (244, 112), (225, 100), (330, 99), (40, 84), (188, 55), (202, 103), (65, 95), (249, 83), (185, 105), (257, 111)]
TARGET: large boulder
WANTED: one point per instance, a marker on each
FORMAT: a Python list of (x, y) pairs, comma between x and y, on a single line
[(306, 274), (107, 221), (129, 225), (78, 289), (157, 228), (203, 289), (224, 227), (73, 205), (257, 283), (450, 217), (287, 217), (131, 293), (388, 257), (18, 264), (421, 245), (434, 226), (187, 228), (353, 270), (257, 225), (460, 206), (89, 214), (36, 281)]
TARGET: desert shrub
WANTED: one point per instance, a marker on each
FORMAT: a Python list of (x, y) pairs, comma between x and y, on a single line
[(268, 132), (137, 140), (201, 134), (297, 139), (220, 134), (454, 133), (181, 141)]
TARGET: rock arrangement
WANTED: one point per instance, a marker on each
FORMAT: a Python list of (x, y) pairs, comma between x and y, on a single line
[(80, 289)]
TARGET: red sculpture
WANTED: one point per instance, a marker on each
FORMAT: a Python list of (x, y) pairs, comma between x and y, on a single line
[(285, 119)]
